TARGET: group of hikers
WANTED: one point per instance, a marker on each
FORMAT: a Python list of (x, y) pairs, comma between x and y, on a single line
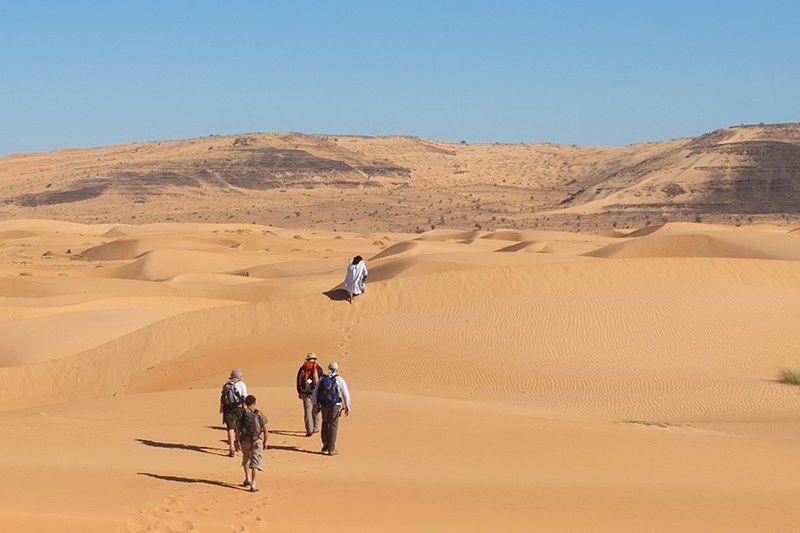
[(324, 394)]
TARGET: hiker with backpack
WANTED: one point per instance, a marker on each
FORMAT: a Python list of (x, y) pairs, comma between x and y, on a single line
[(307, 378), (252, 434), (332, 397), (356, 277), (230, 405)]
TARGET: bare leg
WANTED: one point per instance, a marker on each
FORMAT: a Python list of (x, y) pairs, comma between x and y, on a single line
[(247, 474), (231, 439), (253, 478)]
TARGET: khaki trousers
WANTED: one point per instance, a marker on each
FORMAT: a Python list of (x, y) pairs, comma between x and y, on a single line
[(312, 420)]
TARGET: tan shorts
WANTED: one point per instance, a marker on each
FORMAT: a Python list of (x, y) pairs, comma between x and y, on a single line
[(252, 454), (231, 418)]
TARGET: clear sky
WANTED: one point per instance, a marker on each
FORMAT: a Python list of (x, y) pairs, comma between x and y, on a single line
[(89, 73)]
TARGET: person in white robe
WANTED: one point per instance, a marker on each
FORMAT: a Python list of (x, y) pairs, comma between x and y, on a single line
[(356, 278)]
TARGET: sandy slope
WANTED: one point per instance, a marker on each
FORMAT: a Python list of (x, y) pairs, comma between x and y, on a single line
[(734, 175), (509, 380)]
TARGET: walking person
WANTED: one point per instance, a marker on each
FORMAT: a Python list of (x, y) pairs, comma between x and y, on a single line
[(356, 277), (307, 378), (252, 435), (230, 405), (332, 397)]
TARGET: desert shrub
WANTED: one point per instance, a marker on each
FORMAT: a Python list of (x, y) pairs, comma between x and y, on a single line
[(790, 376), (654, 423)]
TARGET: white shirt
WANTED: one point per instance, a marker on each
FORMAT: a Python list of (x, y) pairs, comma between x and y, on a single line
[(354, 279), (344, 392), (241, 389)]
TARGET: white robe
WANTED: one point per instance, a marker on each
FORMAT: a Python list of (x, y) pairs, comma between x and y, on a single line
[(355, 278)]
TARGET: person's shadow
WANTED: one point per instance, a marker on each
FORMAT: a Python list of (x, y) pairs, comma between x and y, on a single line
[(179, 446), (179, 479), (337, 295), (287, 433), (291, 449)]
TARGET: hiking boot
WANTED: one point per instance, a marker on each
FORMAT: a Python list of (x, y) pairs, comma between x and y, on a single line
[(246, 483), (231, 452), (333, 452), (309, 434), (253, 488)]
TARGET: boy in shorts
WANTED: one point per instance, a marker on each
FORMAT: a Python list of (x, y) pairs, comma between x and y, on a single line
[(252, 435)]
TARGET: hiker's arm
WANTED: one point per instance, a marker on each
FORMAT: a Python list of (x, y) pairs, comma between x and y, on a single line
[(265, 431), (297, 382), (345, 395), (314, 394)]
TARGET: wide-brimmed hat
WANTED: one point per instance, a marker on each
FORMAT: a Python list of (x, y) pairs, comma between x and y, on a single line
[(333, 366), (311, 356), (236, 374)]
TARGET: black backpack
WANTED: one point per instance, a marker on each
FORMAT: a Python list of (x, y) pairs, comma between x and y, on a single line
[(230, 396), (328, 392), (250, 424)]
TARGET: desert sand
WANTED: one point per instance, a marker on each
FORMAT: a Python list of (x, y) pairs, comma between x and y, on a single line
[(508, 380)]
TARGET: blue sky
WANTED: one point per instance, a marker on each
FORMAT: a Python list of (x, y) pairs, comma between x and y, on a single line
[(86, 73)]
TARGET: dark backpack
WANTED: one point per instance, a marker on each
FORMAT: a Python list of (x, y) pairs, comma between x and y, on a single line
[(250, 424), (230, 396), (328, 392)]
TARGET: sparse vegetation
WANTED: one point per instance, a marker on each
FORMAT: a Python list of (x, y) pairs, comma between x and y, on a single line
[(654, 423), (790, 376)]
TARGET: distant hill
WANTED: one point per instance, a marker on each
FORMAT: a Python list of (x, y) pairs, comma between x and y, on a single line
[(402, 183)]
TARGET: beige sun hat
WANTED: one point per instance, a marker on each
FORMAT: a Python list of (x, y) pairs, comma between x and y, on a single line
[(311, 356)]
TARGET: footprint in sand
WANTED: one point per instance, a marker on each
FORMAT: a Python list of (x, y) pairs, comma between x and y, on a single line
[(256, 524), (137, 524), (176, 526)]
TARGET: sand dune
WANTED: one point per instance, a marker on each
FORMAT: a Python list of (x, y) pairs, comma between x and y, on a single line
[(500, 378), (527, 246), (752, 245), (132, 248)]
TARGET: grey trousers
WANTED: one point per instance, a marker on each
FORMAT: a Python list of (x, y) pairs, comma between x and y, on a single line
[(312, 421), (330, 423)]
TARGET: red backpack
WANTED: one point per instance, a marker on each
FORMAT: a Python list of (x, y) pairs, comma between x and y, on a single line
[(308, 378)]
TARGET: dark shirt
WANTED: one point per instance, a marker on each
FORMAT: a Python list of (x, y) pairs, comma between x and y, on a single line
[(299, 381)]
